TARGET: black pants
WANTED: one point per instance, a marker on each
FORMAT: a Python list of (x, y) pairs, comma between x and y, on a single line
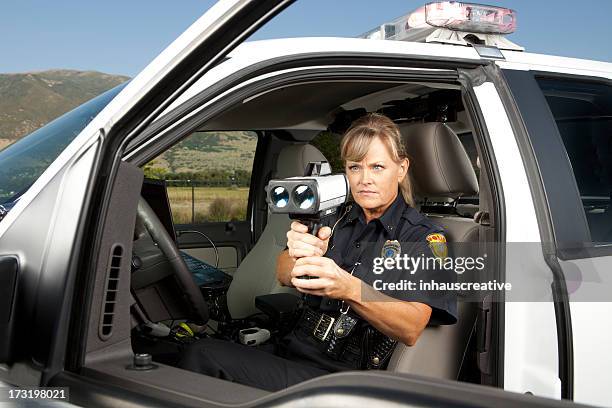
[(245, 365)]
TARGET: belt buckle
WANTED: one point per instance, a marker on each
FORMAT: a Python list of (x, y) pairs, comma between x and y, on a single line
[(323, 327)]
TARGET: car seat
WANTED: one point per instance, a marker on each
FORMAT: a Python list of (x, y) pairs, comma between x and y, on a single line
[(440, 168), (256, 274)]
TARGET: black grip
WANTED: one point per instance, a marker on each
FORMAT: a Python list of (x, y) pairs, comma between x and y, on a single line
[(313, 228)]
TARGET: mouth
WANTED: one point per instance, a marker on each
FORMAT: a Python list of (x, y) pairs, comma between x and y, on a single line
[(366, 192)]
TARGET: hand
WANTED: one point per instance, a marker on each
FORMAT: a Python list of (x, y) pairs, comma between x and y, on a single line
[(301, 243), (333, 281)]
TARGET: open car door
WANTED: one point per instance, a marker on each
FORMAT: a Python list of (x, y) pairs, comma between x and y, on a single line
[(43, 233)]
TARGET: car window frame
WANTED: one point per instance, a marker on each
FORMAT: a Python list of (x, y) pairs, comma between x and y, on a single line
[(577, 80), (562, 195), (253, 133)]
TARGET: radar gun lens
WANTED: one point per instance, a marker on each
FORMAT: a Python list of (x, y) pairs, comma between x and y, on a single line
[(280, 197), (304, 197)]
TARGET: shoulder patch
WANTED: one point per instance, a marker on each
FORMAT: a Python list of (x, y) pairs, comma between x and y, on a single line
[(435, 237), (437, 244)]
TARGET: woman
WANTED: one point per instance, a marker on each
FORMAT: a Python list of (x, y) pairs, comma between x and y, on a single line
[(346, 323)]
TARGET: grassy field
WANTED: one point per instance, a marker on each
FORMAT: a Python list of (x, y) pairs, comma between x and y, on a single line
[(210, 203), (204, 151)]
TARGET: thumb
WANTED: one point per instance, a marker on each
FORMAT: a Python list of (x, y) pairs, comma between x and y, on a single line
[(324, 233)]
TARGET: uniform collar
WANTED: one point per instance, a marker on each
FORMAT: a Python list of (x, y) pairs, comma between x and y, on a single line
[(388, 220)]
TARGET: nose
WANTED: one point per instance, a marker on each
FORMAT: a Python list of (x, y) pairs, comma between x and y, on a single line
[(366, 177)]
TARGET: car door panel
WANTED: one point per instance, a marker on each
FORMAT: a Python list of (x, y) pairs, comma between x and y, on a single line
[(566, 121), (526, 368), (583, 283), (105, 389)]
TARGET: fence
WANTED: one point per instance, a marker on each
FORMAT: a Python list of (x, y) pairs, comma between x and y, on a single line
[(195, 201)]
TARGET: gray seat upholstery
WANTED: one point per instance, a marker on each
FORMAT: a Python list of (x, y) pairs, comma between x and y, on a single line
[(440, 168), (256, 274)]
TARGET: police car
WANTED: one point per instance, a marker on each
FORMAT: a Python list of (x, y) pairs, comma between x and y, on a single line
[(511, 152)]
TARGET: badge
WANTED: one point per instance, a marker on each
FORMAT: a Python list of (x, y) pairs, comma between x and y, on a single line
[(391, 249), (437, 244)]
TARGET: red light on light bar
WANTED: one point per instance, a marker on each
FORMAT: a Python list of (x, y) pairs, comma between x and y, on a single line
[(461, 16)]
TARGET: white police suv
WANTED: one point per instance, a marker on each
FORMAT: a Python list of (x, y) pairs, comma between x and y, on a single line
[(511, 153)]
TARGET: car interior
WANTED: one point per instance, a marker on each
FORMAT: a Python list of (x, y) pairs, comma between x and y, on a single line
[(179, 292)]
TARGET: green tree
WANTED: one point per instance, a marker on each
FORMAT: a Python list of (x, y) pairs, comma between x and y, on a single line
[(329, 144)]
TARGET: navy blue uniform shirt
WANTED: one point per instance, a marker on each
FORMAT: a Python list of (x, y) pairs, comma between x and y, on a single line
[(353, 240)]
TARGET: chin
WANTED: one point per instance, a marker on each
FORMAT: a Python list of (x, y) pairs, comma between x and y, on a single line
[(368, 203)]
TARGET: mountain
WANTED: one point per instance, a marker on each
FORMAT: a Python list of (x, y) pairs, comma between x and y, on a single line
[(209, 151), (32, 99)]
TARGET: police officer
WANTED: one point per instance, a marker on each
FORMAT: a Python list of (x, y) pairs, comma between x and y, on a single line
[(346, 323)]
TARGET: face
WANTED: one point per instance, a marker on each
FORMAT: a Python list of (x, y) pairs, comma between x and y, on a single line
[(374, 181)]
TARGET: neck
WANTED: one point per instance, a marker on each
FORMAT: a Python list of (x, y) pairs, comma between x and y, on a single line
[(373, 213)]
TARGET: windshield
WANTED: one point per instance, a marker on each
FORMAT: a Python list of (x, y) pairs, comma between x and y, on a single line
[(25, 160)]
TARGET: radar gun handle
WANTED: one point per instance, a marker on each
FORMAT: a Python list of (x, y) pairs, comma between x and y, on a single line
[(313, 228)]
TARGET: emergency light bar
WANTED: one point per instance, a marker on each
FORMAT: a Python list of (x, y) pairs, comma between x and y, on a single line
[(475, 18), (452, 22)]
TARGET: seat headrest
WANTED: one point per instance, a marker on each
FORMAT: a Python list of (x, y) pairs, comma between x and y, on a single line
[(439, 164), (293, 159)]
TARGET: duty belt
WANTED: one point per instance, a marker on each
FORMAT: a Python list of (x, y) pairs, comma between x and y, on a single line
[(318, 324), (342, 337), (338, 339)]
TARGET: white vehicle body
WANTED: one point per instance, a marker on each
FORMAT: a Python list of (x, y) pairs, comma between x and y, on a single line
[(57, 201), (527, 368)]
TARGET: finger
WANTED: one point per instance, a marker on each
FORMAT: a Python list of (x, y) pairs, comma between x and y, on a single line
[(307, 238), (305, 270), (314, 261), (324, 233), (311, 284), (303, 253), (311, 292), (311, 250), (299, 227), (300, 253), (313, 271)]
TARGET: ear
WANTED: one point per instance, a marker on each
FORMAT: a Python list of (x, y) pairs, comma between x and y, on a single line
[(403, 169)]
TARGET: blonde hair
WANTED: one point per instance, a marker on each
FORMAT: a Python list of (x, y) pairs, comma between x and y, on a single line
[(356, 143)]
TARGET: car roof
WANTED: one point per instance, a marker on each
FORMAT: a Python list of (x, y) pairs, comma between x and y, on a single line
[(253, 52), (330, 44), (265, 49), (553, 63)]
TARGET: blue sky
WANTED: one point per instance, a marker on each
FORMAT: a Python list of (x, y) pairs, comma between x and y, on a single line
[(122, 36)]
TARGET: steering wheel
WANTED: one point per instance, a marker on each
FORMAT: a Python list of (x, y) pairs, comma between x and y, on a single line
[(191, 292)]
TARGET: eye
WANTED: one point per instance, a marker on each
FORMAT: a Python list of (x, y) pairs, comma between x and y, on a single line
[(378, 167), (353, 167)]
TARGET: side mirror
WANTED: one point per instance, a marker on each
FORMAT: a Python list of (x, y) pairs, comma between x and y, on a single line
[(9, 274)]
